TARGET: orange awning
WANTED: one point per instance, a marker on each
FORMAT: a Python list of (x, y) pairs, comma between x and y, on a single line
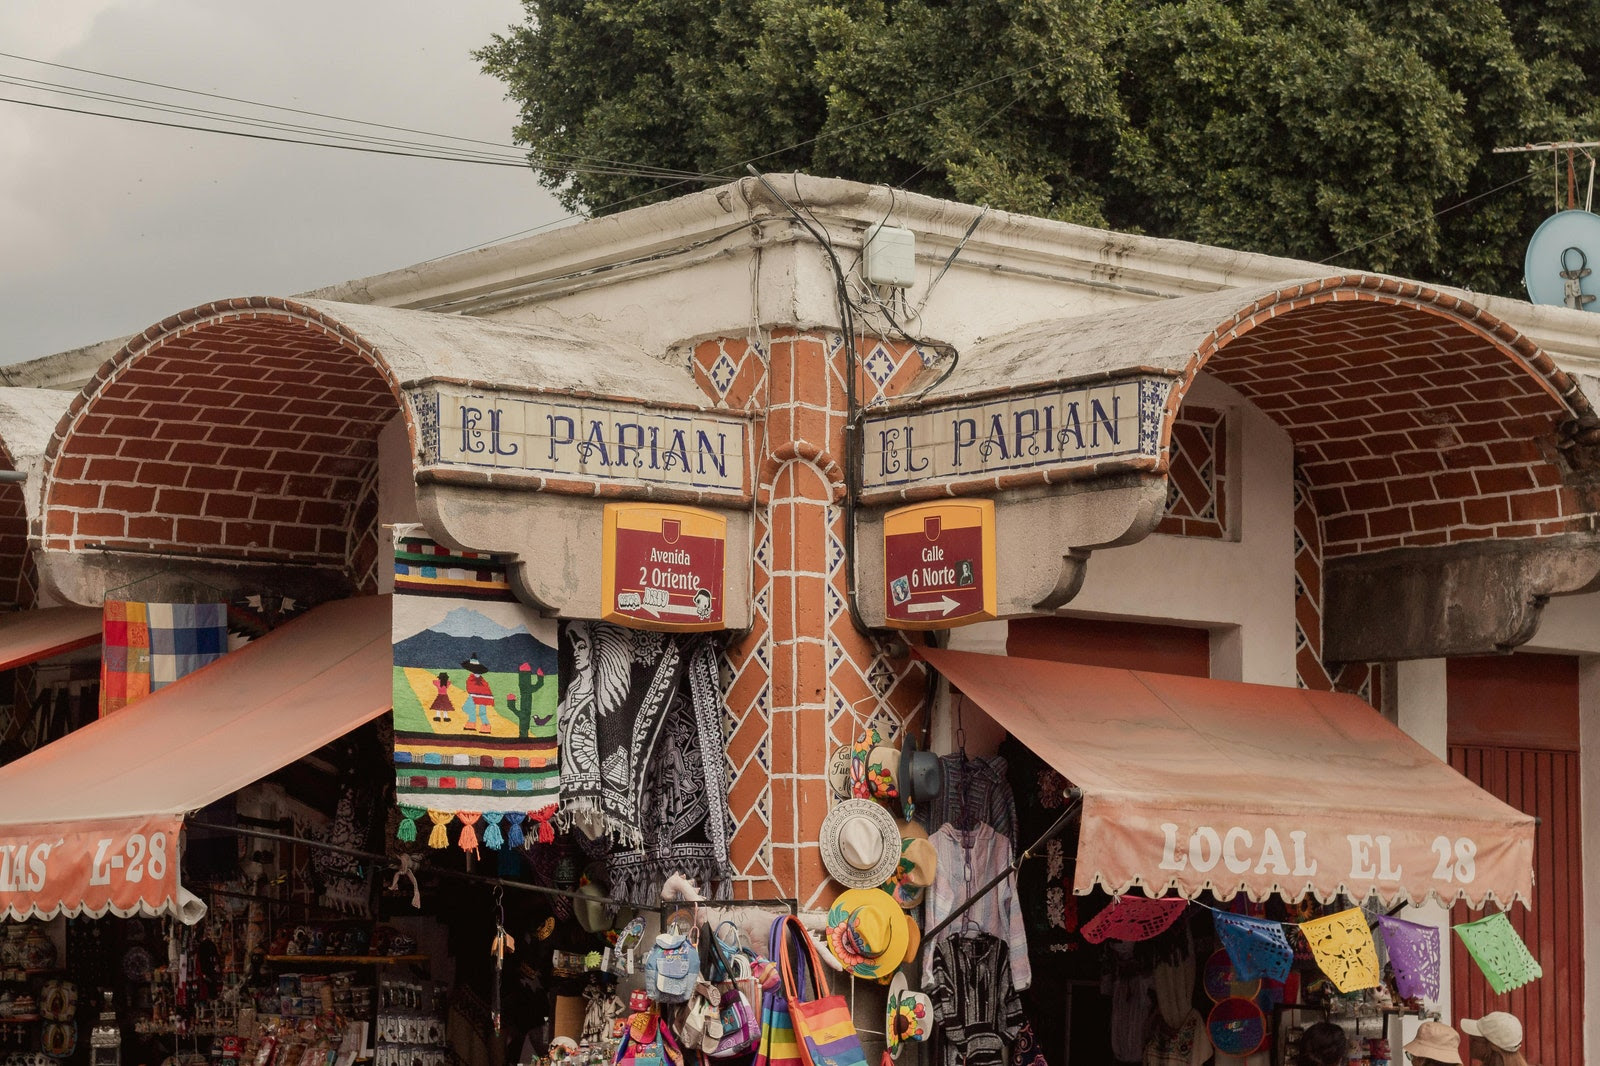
[(28, 636), (90, 822), (1194, 784)]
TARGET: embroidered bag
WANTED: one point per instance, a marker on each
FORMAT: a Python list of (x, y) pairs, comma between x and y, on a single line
[(670, 969), (826, 1030), (779, 1045), (739, 1027)]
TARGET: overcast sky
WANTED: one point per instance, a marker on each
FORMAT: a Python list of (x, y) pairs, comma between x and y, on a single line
[(107, 227)]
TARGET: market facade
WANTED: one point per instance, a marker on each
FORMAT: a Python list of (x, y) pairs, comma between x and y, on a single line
[(1173, 460)]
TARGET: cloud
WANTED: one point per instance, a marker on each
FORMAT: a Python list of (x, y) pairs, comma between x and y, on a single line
[(111, 226)]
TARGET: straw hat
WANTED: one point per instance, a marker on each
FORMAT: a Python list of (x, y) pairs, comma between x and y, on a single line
[(1502, 1030), (595, 912), (867, 932), (1436, 1041), (860, 844), (907, 1016), (919, 865)]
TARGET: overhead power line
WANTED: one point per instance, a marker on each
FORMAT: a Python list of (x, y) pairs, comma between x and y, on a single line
[(335, 118)]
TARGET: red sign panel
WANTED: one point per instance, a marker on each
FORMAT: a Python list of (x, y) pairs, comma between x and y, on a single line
[(665, 567), (127, 866), (938, 562)]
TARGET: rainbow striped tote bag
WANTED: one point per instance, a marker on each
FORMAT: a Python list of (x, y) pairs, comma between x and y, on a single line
[(827, 1032), (779, 1046)]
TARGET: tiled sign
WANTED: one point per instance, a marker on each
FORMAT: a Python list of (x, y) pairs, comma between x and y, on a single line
[(581, 439), (1059, 427)]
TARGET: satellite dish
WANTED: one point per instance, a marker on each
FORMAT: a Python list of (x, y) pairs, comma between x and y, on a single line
[(1562, 259)]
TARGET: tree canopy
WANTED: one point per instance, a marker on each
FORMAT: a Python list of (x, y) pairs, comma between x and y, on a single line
[(1358, 133)]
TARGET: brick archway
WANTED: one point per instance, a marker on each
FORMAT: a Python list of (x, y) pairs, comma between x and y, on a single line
[(245, 429), (1417, 418), (18, 575)]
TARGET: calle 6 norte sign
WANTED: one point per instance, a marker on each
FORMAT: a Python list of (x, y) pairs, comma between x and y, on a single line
[(939, 564), (1065, 426)]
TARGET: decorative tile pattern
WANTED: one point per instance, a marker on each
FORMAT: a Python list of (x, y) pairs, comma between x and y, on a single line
[(1363, 679), (879, 365), (1197, 482), (1152, 406)]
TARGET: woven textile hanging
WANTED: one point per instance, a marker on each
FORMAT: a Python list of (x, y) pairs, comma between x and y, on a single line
[(474, 701), (147, 645)]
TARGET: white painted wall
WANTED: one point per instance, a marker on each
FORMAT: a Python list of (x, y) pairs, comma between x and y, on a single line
[(1421, 709), (1242, 590)]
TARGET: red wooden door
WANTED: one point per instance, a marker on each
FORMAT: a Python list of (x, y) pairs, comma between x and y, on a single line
[(1514, 732)]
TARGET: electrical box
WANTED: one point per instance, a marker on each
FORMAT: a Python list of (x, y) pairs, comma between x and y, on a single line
[(889, 257)]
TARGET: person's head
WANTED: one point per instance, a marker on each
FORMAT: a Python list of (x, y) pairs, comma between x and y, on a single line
[(443, 676), (1435, 1042), (1495, 1031), (1324, 1044)]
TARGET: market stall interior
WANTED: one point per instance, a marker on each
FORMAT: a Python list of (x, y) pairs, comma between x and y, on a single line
[(1234, 863), (526, 859)]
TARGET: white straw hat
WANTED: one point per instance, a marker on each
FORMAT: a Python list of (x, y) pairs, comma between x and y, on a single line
[(860, 844)]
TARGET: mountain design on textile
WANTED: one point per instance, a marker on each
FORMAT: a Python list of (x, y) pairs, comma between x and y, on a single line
[(463, 633), (466, 622)]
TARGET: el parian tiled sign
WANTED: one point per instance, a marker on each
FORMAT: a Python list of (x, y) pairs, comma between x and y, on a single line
[(1059, 427), (582, 439)]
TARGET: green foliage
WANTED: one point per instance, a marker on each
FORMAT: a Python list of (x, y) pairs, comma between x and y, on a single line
[(1357, 133)]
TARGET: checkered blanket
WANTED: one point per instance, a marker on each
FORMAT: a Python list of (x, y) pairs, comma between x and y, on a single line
[(148, 645)]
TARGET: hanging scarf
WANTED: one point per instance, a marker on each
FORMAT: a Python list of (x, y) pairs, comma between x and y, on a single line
[(685, 802), (618, 686)]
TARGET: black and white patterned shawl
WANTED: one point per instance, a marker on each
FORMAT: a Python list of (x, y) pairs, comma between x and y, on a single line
[(617, 686), (687, 823)]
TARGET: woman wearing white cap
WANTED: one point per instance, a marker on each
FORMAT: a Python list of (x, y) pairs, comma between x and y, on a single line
[(1495, 1039)]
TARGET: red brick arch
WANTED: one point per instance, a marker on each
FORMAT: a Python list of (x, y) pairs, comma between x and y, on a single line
[(1417, 418), (18, 578), (240, 429)]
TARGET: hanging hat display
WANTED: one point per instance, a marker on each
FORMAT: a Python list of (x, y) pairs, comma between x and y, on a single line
[(860, 844), (867, 932), (918, 775), (919, 865), (907, 1016)]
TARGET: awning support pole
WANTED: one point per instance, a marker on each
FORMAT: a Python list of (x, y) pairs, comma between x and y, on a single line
[(389, 864), (1016, 864)]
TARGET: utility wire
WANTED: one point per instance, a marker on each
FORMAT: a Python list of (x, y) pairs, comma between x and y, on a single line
[(319, 114), (754, 159), (1534, 173), (261, 123), (257, 136)]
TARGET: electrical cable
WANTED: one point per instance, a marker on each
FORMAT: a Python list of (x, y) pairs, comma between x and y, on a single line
[(1534, 173), (746, 163), (665, 172), (852, 424)]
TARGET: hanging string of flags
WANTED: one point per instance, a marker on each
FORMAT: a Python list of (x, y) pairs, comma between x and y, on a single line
[(1341, 944)]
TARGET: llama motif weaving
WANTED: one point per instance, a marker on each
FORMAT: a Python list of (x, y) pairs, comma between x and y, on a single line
[(474, 701)]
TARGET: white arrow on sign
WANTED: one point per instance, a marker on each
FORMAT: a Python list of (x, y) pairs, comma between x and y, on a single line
[(944, 605), (670, 608)]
